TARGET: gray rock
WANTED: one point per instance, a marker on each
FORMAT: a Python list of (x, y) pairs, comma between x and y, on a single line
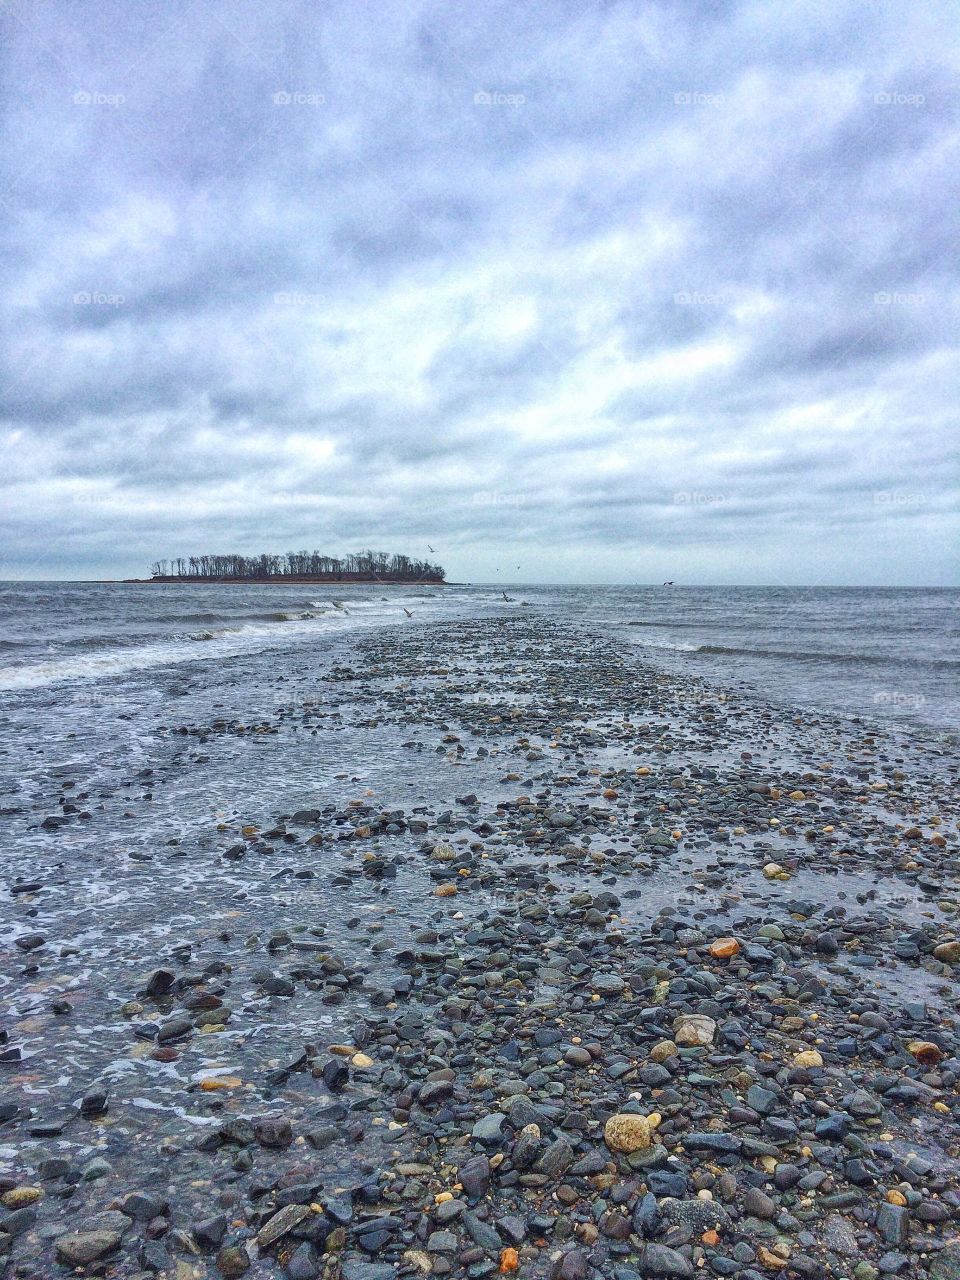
[(82, 1247), (482, 1233), (658, 1260), (489, 1129), (475, 1177), (839, 1237), (893, 1223)]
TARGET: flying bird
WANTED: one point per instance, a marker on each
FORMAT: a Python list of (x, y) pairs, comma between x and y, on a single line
[(429, 548), (668, 584), (509, 599), (407, 612)]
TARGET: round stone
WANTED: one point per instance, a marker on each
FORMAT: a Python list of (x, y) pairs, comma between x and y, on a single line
[(626, 1132)]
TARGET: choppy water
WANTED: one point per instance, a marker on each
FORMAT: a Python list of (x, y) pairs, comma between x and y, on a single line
[(886, 654)]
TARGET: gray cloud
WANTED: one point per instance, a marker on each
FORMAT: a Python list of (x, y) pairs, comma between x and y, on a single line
[(619, 293)]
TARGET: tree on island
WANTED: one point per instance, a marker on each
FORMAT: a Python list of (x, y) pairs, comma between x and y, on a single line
[(299, 564)]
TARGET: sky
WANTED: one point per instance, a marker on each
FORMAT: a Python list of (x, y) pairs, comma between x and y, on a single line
[(572, 292)]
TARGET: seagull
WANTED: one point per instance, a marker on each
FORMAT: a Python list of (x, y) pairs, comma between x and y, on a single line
[(407, 611), (429, 548), (668, 584), (509, 599)]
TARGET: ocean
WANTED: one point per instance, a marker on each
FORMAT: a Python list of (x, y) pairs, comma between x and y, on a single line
[(890, 655)]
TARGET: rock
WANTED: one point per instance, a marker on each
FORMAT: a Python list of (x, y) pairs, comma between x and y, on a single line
[(20, 1197), (281, 1223), (625, 1132), (94, 1104), (571, 1266), (442, 1242), (663, 1050), (893, 1224), (946, 1264), (83, 1247), (808, 1058), (434, 1092), (947, 952), (658, 1260), (696, 1215), (160, 982), (762, 1100), (608, 984), (838, 1236), (303, 1263), (724, 948), (233, 1261), (174, 1029), (209, 1234), (692, 1029), (475, 1177), (273, 1131), (489, 1129), (557, 1157), (716, 1143), (758, 1204), (142, 1207), (482, 1233), (925, 1052)]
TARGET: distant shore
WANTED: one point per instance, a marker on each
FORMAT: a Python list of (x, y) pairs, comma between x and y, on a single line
[(304, 580)]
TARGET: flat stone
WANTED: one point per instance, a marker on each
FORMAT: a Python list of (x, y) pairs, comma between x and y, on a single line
[(83, 1247), (281, 1223)]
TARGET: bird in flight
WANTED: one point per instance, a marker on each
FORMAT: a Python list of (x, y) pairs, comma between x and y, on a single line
[(407, 612), (429, 548), (668, 584)]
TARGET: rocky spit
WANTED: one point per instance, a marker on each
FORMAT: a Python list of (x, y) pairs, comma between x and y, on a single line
[(611, 975)]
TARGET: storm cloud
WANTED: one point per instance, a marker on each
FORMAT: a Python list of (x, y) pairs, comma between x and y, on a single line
[(615, 293)]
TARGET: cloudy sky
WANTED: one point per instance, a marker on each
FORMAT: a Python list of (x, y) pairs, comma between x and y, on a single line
[(609, 292)]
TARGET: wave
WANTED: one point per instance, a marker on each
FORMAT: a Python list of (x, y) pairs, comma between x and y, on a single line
[(801, 655), (196, 646), (677, 645)]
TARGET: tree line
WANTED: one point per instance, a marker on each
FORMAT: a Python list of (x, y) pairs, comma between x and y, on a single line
[(300, 564)]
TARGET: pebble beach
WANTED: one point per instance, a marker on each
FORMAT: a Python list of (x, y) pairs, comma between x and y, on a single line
[(492, 948)]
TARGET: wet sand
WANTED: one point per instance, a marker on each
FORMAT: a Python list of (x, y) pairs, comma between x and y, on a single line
[(347, 972)]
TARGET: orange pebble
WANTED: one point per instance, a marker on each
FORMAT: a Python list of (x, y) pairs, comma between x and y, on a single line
[(509, 1261), (724, 948)]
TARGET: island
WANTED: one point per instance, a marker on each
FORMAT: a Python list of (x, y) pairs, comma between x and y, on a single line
[(297, 566)]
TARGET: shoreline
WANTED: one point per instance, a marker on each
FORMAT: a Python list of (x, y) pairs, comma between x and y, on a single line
[(539, 884)]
